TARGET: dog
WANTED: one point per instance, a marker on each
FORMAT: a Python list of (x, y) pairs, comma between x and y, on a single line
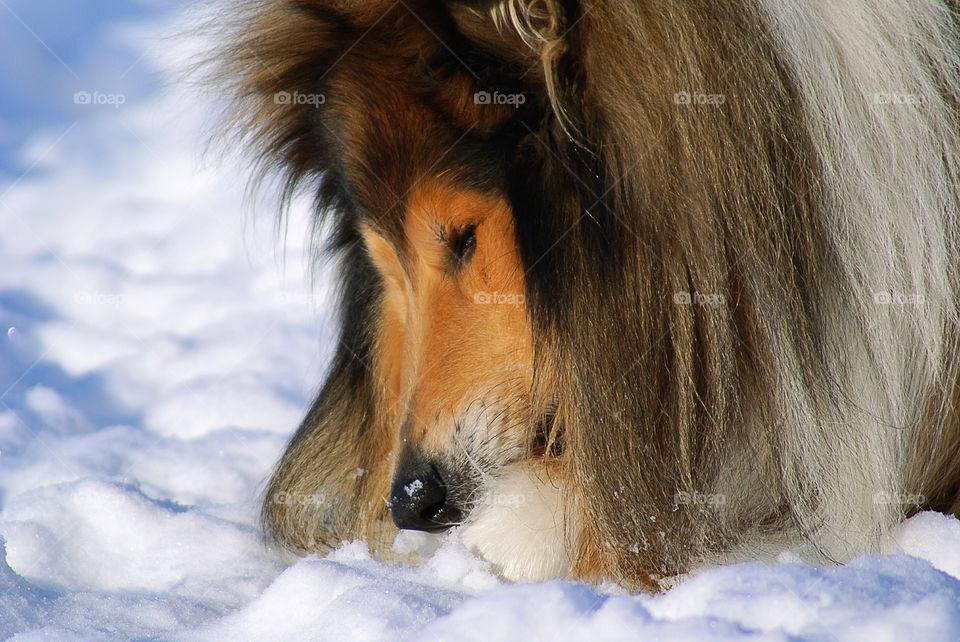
[(627, 289)]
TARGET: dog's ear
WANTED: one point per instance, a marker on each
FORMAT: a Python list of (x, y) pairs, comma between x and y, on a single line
[(295, 73), (531, 33), (272, 70), (329, 486), (512, 31)]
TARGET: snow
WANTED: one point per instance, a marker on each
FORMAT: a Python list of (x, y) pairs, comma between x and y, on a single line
[(413, 488), (159, 345)]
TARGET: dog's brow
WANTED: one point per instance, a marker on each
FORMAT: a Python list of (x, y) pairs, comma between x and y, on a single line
[(391, 236)]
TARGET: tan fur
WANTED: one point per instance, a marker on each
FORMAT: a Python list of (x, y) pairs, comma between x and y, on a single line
[(442, 343)]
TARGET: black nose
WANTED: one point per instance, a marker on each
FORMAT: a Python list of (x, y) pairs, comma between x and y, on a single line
[(419, 501)]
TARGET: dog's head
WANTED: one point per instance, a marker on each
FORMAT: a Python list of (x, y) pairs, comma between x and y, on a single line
[(411, 129)]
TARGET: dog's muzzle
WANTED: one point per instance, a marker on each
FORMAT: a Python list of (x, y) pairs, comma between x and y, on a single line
[(419, 498)]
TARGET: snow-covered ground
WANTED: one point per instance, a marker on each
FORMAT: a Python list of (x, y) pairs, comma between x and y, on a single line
[(158, 346)]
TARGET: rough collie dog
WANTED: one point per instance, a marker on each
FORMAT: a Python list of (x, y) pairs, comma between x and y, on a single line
[(627, 288)]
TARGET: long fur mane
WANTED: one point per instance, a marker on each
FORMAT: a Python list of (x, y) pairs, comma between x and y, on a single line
[(739, 225)]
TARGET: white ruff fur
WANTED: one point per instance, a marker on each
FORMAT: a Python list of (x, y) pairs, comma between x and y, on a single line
[(519, 527), (870, 78)]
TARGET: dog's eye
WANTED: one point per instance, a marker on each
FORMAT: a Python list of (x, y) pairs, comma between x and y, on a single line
[(463, 244)]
